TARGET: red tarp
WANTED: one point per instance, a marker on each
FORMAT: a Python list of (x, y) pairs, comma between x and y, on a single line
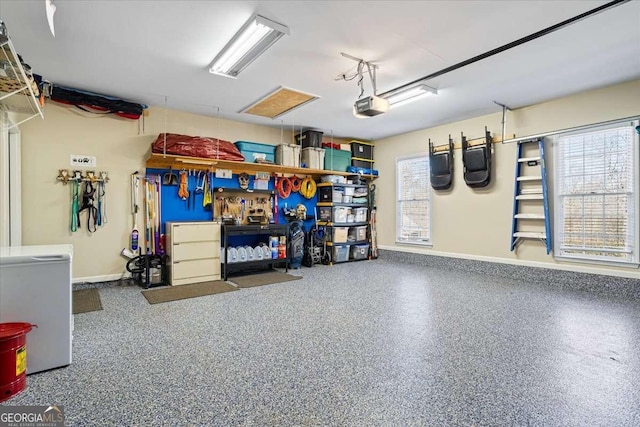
[(197, 146)]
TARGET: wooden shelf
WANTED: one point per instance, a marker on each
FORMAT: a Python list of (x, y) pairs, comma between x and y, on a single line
[(341, 224), (331, 184), (346, 205), (158, 161), (359, 242)]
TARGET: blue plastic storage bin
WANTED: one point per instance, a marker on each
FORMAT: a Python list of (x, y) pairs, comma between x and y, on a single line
[(253, 151), (362, 171)]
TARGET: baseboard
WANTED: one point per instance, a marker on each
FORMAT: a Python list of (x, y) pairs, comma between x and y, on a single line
[(98, 279), (632, 273), (522, 271)]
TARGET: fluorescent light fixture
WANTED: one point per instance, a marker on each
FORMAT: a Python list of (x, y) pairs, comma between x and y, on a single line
[(253, 38), (410, 94)]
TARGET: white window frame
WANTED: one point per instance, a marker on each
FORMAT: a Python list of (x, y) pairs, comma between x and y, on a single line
[(420, 241), (634, 260)]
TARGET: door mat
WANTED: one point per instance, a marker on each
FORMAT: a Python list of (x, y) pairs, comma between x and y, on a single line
[(86, 300), (192, 290), (261, 279)]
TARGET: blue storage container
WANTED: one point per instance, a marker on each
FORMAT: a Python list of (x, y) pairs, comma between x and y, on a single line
[(254, 151), (362, 171)]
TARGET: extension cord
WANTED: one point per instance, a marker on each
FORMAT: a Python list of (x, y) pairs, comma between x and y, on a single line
[(127, 253)]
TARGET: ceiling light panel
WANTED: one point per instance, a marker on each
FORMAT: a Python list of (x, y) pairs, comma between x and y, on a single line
[(410, 94), (279, 102), (251, 41)]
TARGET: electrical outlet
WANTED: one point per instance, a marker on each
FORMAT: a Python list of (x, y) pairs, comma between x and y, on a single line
[(127, 253)]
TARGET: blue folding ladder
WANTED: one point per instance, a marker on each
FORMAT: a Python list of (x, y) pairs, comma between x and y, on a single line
[(526, 189)]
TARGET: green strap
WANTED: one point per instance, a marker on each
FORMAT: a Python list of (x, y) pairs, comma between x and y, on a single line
[(74, 206)]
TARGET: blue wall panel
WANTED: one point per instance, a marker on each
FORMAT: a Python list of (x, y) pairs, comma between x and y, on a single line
[(175, 209)]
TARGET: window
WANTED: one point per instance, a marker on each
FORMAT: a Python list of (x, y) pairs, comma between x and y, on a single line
[(413, 217), (596, 194)]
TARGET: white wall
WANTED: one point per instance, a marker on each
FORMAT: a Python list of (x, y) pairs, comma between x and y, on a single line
[(476, 224), (120, 149)]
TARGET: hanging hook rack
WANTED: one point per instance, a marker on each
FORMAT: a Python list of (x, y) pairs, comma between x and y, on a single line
[(65, 175)]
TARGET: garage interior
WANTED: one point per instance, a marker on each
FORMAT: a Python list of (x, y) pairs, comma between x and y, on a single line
[(489, 277)]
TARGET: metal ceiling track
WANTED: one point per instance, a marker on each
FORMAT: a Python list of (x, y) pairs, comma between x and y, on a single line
[(573, 129), (513, 44)]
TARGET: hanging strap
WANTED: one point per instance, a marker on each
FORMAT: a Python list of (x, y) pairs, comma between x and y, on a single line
[(87, 204), (75, 190), (99, 212)]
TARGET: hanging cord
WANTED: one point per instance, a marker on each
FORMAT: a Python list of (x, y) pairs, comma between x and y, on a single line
[(281, 131), (372, 76), (360, 78), (284, 187), (308, 188), (295, 183)]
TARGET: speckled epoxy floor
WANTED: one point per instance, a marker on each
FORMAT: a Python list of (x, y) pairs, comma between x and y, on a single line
[(366, 343)]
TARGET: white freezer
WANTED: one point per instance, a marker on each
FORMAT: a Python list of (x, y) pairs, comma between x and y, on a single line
[(35, 287)]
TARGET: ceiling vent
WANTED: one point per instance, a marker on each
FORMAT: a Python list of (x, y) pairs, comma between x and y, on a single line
[(279, 102)]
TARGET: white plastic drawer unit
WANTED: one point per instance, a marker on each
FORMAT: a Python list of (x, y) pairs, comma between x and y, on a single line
[(195, 232)]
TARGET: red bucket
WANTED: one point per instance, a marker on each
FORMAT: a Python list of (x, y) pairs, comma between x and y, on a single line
[(13, 358)]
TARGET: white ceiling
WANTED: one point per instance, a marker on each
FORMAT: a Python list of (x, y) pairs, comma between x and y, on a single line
[(144, 51)]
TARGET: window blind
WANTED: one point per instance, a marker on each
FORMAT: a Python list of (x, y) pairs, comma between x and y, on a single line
[(596, 195), (413, 216)]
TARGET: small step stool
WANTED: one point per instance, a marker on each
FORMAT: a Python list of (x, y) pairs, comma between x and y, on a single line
[(530, 190)]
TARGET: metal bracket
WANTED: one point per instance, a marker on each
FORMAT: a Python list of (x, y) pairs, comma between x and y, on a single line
[(504, 119)]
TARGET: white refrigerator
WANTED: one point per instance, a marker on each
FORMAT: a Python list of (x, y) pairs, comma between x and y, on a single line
[(35, 287)]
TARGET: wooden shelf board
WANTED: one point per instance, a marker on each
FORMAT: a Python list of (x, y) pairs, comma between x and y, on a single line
[(159, 161), (352, 205), (331, 184)]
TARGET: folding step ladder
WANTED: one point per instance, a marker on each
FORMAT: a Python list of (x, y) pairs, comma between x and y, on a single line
[(530, 196)]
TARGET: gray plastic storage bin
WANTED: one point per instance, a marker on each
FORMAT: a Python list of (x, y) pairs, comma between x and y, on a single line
[(357, 234), (359, 251)]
